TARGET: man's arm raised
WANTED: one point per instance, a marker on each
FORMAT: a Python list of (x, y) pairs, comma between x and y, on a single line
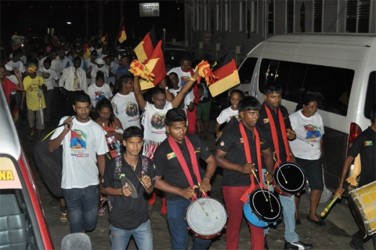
[(180, 96), (138, 94)]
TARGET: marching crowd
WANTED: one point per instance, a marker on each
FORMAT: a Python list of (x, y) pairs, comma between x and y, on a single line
[(124, 147)]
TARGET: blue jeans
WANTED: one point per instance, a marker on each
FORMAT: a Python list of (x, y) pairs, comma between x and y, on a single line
[(142, 235), (82, 206), (288, 209), (178, 226)]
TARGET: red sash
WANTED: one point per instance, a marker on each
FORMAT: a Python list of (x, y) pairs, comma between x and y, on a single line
[(275, 136), (179, 155), (248, 156)]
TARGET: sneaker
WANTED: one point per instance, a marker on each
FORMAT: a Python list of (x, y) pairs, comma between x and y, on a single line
[(297, 245), (354, 244), (64, 216)]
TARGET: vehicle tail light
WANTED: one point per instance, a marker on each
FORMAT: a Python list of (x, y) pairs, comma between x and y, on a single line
[(355, 130)]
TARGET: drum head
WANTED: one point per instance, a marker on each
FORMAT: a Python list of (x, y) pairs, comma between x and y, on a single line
[(290, 178), (265, 205), (206, 217)]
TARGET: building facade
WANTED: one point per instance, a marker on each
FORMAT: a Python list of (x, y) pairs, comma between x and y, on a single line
[(214, 27)]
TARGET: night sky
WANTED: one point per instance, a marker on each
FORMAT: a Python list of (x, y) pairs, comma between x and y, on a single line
[(32, 18)]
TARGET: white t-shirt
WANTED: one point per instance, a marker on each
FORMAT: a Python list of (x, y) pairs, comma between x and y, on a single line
[(182, 75), (80, 168), (226, 115), (126, 109), (16, 65), (97, 93), (94, 71), (309, 132), (51, 80), (153, 120)]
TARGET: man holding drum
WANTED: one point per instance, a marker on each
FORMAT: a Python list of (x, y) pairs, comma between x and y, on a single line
[(365, 145), (274, 126), (179, 175), (231, 155)]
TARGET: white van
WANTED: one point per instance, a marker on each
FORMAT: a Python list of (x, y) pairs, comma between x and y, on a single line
[(341, 68)]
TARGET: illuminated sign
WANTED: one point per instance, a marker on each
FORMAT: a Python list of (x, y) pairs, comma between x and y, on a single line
[(8, 175), (149, 9)]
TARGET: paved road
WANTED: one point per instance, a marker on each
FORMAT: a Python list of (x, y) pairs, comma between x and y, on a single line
[(335, 235)]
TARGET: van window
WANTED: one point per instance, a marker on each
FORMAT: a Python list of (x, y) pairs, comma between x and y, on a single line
[(332, 84), (371, 94), (246, 70)]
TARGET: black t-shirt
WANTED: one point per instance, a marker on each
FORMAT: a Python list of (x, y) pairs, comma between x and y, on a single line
[(127, 213), (365, 144), (263, 126), (231, 142), (167, 165)]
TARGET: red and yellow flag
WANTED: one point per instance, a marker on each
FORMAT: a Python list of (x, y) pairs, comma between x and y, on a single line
[(145, 48), (122, 35), (227, 74), (86, 51), (156, 66)]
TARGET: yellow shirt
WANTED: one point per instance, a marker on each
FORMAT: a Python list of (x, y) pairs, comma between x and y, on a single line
[(34, 95)]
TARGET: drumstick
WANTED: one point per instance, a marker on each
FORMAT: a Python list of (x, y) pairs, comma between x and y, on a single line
[(263, 193), (302, 139), (283, 176), (203, 209), (270, 200), (327, 208)]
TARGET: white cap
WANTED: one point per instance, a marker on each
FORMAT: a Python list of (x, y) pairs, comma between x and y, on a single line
[(99, 60)]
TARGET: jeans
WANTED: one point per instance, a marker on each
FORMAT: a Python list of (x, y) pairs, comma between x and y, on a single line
[(82, 206), (178, 226), (142, 235), (288, 209)]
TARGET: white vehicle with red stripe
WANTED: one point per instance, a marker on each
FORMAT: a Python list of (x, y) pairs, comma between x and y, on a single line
[(22, 222)]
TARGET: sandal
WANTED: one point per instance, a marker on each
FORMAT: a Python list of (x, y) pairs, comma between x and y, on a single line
[(64, 216), (101, 211)]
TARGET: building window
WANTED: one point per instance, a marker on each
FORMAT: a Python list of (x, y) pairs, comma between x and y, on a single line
[(217, 15), (242, 15), (198, 27), (317, 15), (271, 17), (357, 16), (227, 11), (290, 15), (302, 18)]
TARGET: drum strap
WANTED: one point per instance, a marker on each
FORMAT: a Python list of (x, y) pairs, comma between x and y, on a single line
[(183, 163), (275, 136), (248, 157)]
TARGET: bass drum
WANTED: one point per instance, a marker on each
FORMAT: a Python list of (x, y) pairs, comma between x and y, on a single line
[(206, 217), (289, 178), (262, 208), (363, 206)]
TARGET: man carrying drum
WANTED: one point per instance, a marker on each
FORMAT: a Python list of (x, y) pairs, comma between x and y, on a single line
[(179, 175), (365, 145), (274, 126), (239, 164)]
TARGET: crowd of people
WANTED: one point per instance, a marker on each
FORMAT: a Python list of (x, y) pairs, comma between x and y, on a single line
[(121, 146)]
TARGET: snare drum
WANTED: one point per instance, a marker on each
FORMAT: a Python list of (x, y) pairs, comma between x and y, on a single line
[(206, 217), (363, 205), (262, 208), (289, 178)]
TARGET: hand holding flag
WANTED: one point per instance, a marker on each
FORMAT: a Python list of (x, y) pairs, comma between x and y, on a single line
[(138, 69), (204, 71)]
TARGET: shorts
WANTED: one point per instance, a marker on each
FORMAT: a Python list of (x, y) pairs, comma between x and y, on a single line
[(313, 171), (203, 111)]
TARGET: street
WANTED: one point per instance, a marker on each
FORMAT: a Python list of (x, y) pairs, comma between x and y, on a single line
[(335, 235)]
